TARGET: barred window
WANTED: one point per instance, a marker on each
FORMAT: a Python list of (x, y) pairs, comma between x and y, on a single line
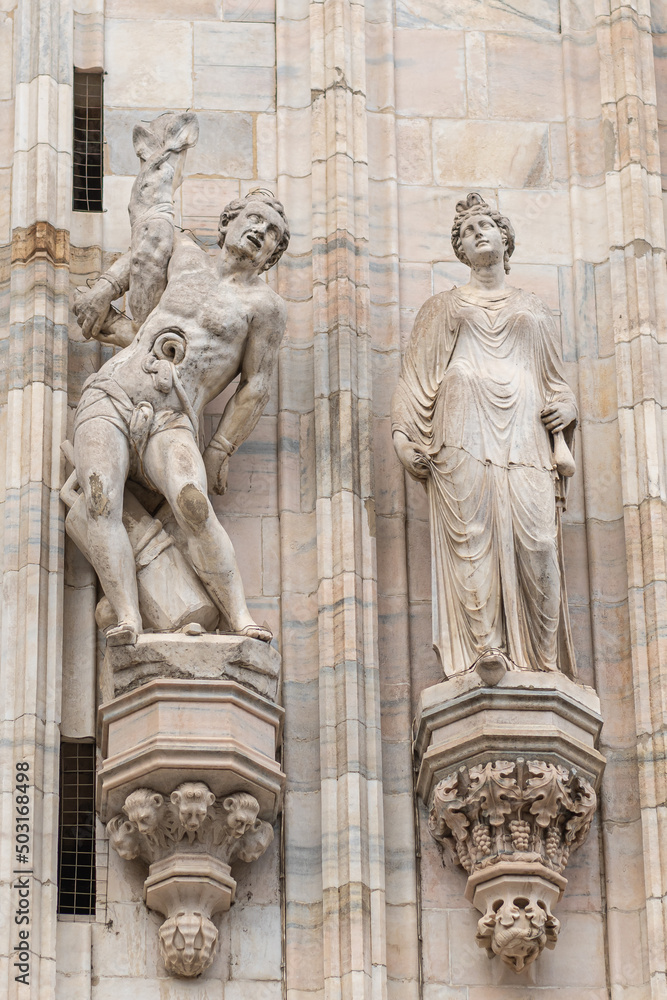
[(76, 842), (87, 160)]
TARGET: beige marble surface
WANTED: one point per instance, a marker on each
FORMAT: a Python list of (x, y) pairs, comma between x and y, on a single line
[(372, 165)]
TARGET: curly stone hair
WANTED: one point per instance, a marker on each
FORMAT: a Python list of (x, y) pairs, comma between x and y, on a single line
[(474, 204), (231, 210)]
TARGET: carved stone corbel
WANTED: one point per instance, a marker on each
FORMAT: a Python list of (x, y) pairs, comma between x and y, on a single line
[(509, 772), (189, 840), (189, 782)]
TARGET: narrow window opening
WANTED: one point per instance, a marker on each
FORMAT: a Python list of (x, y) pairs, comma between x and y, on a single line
[(87, 158), (76, 841)]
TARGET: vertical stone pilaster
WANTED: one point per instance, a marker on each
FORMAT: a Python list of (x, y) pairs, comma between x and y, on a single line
[(639, 310), (302, 821), (35, 407), (401, 856), (350, 756)]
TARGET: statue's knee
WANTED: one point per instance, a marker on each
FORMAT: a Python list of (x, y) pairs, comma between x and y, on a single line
[(98, 503), (193, 505)]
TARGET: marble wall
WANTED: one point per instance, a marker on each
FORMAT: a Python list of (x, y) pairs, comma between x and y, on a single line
[(370, 120)]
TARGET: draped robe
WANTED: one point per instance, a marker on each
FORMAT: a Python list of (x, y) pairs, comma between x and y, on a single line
[(478, 370)]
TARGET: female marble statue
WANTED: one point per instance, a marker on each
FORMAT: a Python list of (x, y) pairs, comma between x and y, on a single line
[(481, 406)]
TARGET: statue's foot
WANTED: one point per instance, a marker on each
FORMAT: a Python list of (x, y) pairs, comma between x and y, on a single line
[(491, 665), (192, 628), (122, 634), (256, 632)]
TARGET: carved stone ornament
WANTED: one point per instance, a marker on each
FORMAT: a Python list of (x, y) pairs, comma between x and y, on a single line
[(527, 811), (139, 494), (522, 818), (484, 418), (508, 768), (190, 840)]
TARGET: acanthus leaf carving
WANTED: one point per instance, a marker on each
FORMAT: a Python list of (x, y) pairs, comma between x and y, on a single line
[(530, 811), (546, 787), (582, 805), (446, 814), (187, 943), (494, 790)]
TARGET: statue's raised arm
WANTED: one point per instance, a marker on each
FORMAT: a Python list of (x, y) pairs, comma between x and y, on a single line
[(199, 320), (161, 146)]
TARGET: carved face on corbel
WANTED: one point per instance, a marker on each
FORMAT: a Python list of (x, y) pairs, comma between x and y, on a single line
[(144, 808), (242, 812), (124, 837), (192, 799)]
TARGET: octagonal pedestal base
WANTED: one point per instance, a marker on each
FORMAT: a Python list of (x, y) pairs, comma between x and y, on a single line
[(169, 729), (189, 781), (509, 770)]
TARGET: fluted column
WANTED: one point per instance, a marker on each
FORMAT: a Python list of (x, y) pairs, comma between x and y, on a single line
[(350, 756), (639, 310), (34, 406)]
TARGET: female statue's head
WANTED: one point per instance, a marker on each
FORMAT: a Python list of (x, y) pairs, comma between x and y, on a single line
[(474, 207)]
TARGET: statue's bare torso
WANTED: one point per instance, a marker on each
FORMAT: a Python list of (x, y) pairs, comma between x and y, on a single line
[(217, 317), (199, 321)]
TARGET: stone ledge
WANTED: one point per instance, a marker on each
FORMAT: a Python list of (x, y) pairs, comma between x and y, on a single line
[(169, 729), (252, 663), (545, 716)]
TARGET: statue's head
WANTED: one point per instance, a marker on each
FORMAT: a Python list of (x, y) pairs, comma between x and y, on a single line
[(473, 207), (261, 208), (144, 808), (241, 809), (192, 799)]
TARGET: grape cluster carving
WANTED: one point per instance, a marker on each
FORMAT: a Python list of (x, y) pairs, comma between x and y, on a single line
[(503, 810)]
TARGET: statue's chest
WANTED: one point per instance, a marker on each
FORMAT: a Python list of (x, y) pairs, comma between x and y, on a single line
[(222, 313)]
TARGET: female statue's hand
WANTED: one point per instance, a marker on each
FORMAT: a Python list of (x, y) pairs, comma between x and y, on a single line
[(557, 415), (413, 458)]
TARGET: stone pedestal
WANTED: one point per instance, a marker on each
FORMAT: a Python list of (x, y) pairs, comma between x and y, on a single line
[(166, 731), (255, 665), (189, 780), (509, 770), (189, 889)]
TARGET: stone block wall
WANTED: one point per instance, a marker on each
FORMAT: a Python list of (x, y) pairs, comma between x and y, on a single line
[(370, 120), (507, 102)]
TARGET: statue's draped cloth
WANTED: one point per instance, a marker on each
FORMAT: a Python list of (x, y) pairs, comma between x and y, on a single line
[(476, 375)]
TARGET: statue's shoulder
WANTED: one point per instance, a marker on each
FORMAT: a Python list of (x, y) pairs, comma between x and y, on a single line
[(188, 256), (533, 303), (269, 305), (438, 304)]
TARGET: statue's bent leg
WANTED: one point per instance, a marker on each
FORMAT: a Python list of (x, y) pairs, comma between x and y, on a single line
[(174, 464), (101, 454), (533, 509)]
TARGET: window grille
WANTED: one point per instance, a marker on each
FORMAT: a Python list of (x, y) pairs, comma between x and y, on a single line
[(76, 841), (87, 159)]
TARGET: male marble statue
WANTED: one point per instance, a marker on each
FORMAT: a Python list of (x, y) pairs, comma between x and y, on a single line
[(484, 418), (198, 322)]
